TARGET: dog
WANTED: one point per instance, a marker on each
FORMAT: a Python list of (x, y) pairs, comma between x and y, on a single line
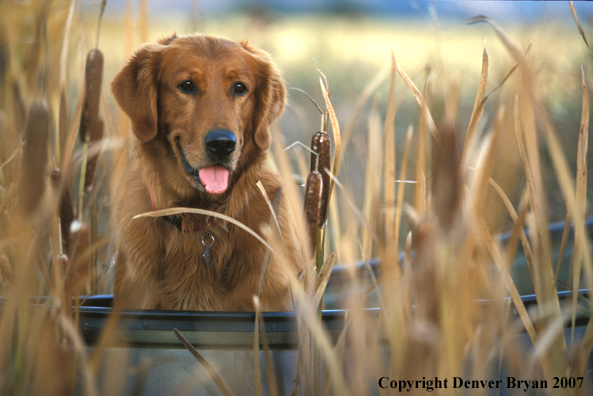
[(200, 108)]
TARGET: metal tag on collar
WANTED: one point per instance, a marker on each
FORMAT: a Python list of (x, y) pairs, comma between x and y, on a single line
[(207, 252)]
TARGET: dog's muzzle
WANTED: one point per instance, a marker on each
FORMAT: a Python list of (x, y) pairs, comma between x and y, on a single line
[(220, 144)]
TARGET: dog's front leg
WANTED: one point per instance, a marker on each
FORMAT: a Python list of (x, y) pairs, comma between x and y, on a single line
[(134, 290)]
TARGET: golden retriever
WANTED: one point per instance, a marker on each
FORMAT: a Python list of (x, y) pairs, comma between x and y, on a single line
[(200, 108)]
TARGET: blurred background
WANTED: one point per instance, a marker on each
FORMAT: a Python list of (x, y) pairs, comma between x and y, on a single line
[(351, 43)]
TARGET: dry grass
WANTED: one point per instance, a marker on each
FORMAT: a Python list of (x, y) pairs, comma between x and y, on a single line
[(464, 188)]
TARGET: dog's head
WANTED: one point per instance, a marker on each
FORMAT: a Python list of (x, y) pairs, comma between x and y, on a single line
[(212, 99)]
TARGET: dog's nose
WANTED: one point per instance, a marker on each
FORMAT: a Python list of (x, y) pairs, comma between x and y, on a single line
[(220, 142)]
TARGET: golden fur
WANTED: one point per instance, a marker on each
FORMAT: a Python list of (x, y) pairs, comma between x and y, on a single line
[(158, 265)]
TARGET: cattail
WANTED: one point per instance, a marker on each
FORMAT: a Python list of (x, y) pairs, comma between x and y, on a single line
[(446, 180), (66, 210), (78, 264), (93, 77), (96, 136), (63, 124), (320, 144), (34, 160), (5, 270), (91, 125), (313, 192)]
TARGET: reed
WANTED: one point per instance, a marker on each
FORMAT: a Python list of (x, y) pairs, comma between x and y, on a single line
[(321, 162), (313, 195), (32, 178)]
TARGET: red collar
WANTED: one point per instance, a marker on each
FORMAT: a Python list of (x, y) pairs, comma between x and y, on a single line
[(178, 221)]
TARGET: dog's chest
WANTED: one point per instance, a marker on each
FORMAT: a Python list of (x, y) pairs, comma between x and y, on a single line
[(199, 251), (191, 281)]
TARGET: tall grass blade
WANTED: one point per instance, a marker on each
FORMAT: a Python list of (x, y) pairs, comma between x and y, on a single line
[(390, 157), (274, 211), (478, 108), (257, 378), (563, 246), (402, 185), (420, 192), (62, 126), (323, 278), (143, 20), (7, 198), (509, 283), (421, 101), (271, 376), (13, 155), (101, 12), (62, 129), (581, 200), (578, 23), (336, 135), (222, 386)]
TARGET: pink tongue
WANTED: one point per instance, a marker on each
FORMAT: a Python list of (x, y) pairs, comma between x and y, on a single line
[(215, 179)]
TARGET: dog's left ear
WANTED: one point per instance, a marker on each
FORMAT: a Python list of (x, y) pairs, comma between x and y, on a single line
[(270, 96)]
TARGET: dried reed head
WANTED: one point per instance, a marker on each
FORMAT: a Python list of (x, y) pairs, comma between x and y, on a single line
[(321, 162), (446, 178), (91, 125), (313, 196), (93, 77), (31, 183)]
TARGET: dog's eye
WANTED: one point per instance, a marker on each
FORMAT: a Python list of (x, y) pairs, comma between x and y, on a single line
[(239, 89), (187, 87)]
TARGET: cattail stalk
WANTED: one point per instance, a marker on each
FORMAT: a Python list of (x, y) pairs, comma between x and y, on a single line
[(85, 149), (66, 211), (91, 126), (313, 197), (77, 270), (101, 13)]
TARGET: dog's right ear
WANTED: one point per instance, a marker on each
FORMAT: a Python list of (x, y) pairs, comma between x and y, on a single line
[(135, 88)]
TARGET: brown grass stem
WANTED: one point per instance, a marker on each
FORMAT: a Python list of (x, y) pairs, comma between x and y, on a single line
[(220, 383), (168, 212)]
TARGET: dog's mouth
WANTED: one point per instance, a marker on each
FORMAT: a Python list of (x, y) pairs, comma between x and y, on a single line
[(214, 178)]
